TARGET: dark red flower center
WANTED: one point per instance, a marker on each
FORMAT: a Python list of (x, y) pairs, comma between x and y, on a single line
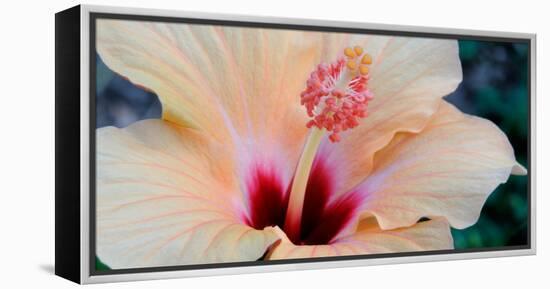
[(323, 217)]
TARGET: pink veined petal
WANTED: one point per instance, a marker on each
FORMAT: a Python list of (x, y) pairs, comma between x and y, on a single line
[(448, 170), (236, 84), (167, 195), (408, 78), (370, 239)]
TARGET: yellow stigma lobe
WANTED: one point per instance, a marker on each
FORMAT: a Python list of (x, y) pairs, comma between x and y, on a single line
[(367, 59), (354, 64), (349, 52)]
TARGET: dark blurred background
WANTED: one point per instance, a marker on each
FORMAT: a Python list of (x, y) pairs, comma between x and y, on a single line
[(494, 87)]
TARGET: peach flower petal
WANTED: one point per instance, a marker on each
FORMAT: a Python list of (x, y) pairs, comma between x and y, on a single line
[(237, 84), (370, 239), (449, 169), (167, 195)]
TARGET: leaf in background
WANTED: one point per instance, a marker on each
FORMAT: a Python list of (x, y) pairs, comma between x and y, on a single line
[(100, 266)]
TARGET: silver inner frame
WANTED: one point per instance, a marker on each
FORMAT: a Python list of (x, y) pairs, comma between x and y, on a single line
[(86, 278)]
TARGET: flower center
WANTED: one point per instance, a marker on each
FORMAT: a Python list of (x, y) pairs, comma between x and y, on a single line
[(336, 98), (323, 216)]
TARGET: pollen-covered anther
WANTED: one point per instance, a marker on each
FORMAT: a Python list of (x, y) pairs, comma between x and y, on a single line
[(336, 98)]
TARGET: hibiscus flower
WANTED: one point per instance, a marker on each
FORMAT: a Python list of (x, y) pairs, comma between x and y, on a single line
[(279, 144)]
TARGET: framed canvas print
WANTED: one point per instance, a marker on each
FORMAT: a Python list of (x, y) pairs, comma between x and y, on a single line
[(196, 144)]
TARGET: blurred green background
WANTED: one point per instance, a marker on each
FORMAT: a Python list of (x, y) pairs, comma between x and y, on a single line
[(494, 87)]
